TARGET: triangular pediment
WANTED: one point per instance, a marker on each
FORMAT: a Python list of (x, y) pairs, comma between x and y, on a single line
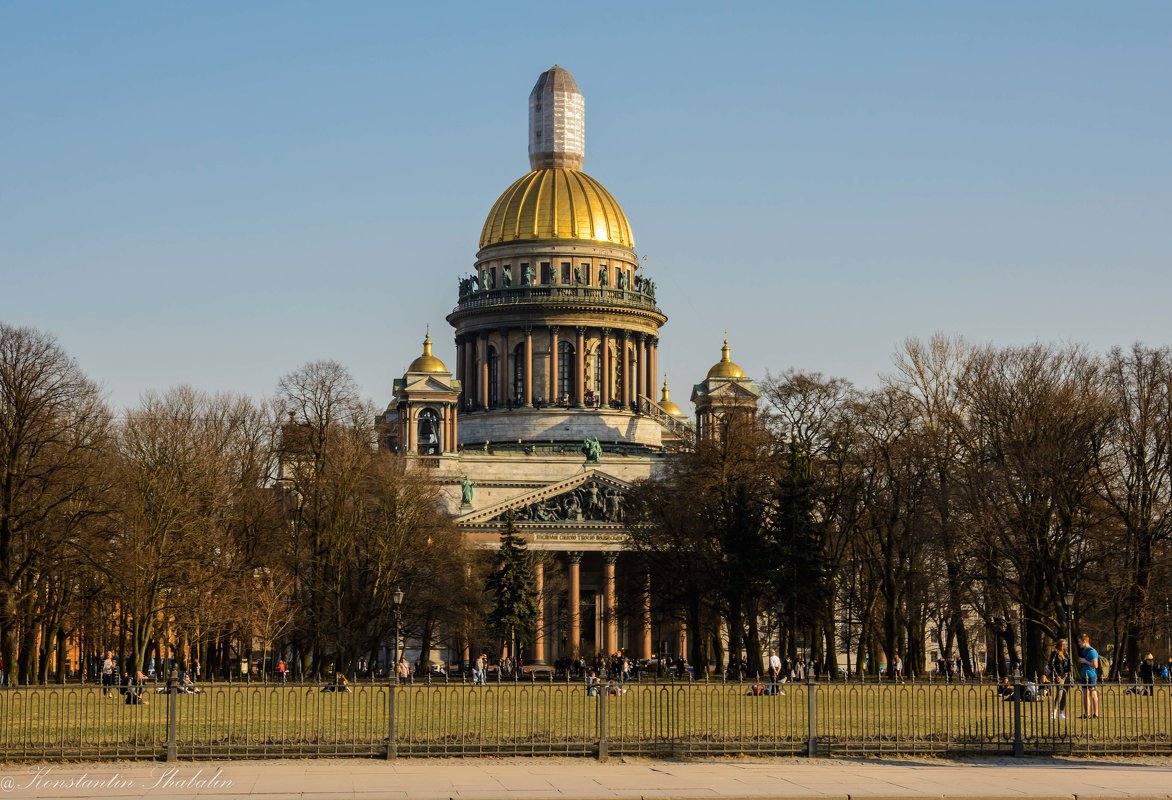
[(589, 498), (423, 383), (734, 390)]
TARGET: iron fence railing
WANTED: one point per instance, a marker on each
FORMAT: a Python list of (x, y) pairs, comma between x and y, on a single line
[(573, 718)]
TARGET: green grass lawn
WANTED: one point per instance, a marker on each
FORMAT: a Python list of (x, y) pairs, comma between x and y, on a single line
[(543, 717)]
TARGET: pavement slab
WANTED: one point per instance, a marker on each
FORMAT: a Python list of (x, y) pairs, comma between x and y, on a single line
[(587, 779)]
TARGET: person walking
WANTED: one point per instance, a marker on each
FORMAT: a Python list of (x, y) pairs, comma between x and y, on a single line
[(109, 675), (1147, 676), (1088, 664), (1059, 667)]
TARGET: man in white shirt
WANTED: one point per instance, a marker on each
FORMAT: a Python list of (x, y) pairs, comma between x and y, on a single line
[(774, 667)]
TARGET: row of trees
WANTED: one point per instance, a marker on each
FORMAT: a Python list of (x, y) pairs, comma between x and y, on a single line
[(976, 489), (196, 526)]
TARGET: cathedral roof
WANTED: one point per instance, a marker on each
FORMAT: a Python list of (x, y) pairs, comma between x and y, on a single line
[(557, 203), (427, 362)]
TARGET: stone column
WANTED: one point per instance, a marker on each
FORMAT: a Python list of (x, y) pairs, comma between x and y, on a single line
[(468, 396), (604, 379), (410, 429), (528, 398), (553, 364), (612, 618), (539, 587), (504, 374), (645, 619), (682, 641), (454, 411), (580, 369), (625, 356), (652, 367), (461, 369), (575, 609), (482, 383), (640, 369)]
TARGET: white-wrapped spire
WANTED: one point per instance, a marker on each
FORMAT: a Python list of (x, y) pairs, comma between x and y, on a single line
[(557, 121)]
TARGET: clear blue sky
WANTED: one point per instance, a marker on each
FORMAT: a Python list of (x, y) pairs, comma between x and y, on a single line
[(216, 193)]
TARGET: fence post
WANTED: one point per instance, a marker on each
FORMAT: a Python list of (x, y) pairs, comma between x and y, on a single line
[(601, 722), (392, 748), (811, 718), (1018, 745), (172, 727)]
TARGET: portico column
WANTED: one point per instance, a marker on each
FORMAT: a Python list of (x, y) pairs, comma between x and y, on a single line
[(640, 362), (612, 620), (580, 369), (483, 381), (575, 610), (626, 365), (528, 366), (410, 429), (604, 378), (645, 619), (539, 587), (553, 364)]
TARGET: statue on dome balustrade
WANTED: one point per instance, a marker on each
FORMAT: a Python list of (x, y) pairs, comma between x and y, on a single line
[(527, 275), (603, 276), (507, 276)]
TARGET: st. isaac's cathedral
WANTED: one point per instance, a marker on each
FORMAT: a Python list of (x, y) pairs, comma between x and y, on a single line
[(555, 406)]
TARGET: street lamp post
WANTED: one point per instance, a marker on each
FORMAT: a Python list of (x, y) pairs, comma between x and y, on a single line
[(1068, 598), (398, 599), (392, 750)]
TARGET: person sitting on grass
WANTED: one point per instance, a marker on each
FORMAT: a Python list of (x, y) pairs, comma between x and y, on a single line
[(133, 689), (340, 684)]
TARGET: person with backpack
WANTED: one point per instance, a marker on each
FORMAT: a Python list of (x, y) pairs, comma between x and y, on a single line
[(1088, 664)]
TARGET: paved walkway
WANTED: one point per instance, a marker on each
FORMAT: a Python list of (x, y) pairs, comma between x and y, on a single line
[(574, 779)]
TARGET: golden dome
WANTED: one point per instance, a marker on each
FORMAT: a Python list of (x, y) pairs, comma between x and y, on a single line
[(667, 405), (427, 362), (725, 368), (556, 203)]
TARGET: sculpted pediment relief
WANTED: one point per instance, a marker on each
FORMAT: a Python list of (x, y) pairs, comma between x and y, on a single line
[(593, 501), (592, 497)]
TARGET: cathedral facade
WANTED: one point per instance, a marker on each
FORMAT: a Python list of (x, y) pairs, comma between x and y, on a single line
[(552, 413)]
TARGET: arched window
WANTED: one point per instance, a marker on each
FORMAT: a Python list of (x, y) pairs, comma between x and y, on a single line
[(519, 374), (429, 435), (565, 372), (494, 367)]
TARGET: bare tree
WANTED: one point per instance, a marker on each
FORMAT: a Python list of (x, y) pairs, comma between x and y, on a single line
[(1135, 478), (52, 428)]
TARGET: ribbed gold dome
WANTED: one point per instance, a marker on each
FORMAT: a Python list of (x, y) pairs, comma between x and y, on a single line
[(427, 362), (725, 368), (556, 203), (667, 405)]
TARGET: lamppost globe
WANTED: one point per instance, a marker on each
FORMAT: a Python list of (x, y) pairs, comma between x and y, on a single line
[(398, 597)]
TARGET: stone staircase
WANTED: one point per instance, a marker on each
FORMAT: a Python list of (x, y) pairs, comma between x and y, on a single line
[(680, 431)]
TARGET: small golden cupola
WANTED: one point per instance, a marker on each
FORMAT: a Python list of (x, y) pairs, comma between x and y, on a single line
[(427, 362), (725, 368), (665, 402)]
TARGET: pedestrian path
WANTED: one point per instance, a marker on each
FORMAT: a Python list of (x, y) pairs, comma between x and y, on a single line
[(582, 779)]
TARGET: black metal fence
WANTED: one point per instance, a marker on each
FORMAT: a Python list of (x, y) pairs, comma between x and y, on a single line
[(571, 718)]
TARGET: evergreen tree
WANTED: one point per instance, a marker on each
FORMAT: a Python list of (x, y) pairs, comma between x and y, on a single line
[(802, 579), (514, 599)]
